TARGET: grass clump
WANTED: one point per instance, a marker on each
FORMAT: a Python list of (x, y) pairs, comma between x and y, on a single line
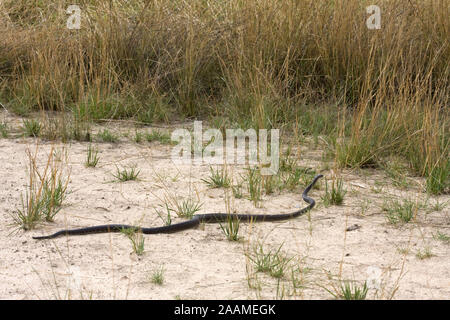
[(350, 291), (91, 157), (31, 128), (167, 218), (218, 179), (237, 190), (231, 228), (54, 192), (441, 237), (424, 254), (272, 262), (400, 212), (156, 135), (157, 276), (137, 239), (138, 136), (44, 195), (254, 184), (107, 136), (335, 195), (438, 180), (187, 207), (3, 129), (31, 212), (123, 175)]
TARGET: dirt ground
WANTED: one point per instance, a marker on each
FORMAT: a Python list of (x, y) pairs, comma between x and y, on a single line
[(201, 263)]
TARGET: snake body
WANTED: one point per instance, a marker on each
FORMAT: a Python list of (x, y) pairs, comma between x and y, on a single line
[(192, 223)]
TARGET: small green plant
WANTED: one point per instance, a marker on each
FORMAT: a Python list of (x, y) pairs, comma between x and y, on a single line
[(218, 179), (271, 184), (107, 136), (138, 136), (438, 206), (274, 263), (288, 162), (237, 190), (397, 172), (130, 174), (364, 205), (31, 128), (346, 290), (296, 177), (438, 180), (31, 212), (403, 251), (441, 237), (378, 187), (335, 195), (137, 239), (400, 212), (254, 181), (157, 276), (349, 291), (157, 135), (231, 229), (187, 208), (54, 192), (167, 219), (3, 129), (424, 254), (357, 152), (92, 157)]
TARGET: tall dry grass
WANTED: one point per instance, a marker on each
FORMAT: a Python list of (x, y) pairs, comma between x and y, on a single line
[(260, 63)]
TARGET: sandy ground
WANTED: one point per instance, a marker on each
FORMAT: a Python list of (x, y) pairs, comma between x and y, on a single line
[(201, 263)]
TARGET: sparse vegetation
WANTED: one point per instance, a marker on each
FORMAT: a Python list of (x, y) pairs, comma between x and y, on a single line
[(231, 228), (92, 157), (218, 179), (3, 129), (138, 136), (156, 135), (31, 127), (438, 179), (272, 262), (126, 174), (167, 219), (403, 212), (44, 194), (441, 237), (157, 276), (237, 190), (187, 207), (424, 253), (253, 179), (350, 291), (335, 195), (107, 136), (137, 240)]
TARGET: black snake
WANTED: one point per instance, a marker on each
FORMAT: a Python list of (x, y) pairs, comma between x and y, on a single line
[(195, 221)]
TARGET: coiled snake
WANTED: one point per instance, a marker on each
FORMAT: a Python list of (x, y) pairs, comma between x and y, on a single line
[(195, 221)]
